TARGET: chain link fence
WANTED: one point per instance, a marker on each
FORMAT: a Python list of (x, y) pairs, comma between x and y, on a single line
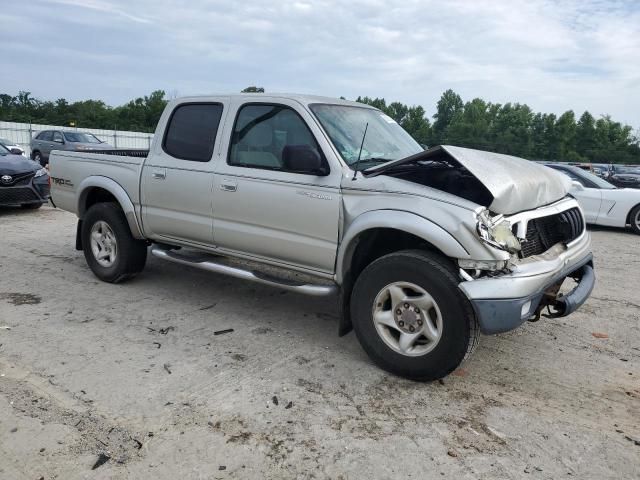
[(22, 133)]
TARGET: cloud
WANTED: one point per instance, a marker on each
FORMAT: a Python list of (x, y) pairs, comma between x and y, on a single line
[(552, 55)]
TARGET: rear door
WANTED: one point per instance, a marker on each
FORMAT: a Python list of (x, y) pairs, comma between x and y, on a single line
[(263, 210), (177, 177)]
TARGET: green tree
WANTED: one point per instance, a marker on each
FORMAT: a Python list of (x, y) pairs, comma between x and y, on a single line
[(449, 105)]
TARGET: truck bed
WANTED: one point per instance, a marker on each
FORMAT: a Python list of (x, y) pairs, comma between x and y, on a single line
[(69, 170)]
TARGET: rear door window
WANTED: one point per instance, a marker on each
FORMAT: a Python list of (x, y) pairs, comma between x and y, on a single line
[(191, 131), (47, 136)]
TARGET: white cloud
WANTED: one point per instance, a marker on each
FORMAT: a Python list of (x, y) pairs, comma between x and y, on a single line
[(552, 55)]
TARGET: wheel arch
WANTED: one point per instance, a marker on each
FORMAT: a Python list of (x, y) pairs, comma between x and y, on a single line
[(96, 189), (628, 219), (402, 229), (377, 233)]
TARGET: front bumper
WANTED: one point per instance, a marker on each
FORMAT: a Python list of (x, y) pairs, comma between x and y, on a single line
[(505, 302), (35, 190)]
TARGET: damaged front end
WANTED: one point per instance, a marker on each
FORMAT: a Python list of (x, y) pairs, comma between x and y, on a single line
[(546, 247), (504, 184), (525, 238)]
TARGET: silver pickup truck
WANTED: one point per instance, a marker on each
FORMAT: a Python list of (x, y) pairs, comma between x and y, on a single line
[(424, 249)]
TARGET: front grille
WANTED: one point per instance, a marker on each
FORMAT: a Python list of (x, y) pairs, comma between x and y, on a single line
[(544, 232), (18, 179), (9, 196)]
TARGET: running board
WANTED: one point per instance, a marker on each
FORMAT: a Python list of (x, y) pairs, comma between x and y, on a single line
[(205, 263)]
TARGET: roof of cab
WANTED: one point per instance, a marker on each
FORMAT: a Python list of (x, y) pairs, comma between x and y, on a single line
[(301, 98)]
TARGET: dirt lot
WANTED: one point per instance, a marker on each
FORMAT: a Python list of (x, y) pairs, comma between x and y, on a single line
[(135, 376)]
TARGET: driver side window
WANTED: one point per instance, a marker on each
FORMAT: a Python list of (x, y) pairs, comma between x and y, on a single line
[(57, 137), (261, 133)]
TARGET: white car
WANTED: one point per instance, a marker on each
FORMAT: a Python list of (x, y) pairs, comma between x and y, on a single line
[(12, 146), (603, 203)]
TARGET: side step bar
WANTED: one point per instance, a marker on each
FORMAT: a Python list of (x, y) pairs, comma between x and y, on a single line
[(206, 263)]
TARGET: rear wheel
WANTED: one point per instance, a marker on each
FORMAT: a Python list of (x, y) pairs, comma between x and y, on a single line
[(109, 248), (410, 316), (634, 218)]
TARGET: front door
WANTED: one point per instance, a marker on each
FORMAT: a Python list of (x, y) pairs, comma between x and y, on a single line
[(177, 177), (263, 209)]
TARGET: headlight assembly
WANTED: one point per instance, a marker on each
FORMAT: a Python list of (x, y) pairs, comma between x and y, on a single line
[(496, 231)]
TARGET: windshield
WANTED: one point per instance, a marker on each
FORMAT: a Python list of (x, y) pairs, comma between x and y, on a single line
[(3, 150), (80, 137), (385, 139), (600, 183)]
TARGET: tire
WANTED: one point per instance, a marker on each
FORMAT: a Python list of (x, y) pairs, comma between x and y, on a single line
[(410, 274), (123, 255), (31, 206), (634, 219)]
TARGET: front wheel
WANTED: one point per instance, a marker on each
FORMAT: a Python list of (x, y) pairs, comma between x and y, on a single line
[(109, 248), (410, 316), (634, 218)]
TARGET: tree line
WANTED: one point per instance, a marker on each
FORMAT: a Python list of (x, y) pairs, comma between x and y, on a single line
[(514, 129), (511, 128)]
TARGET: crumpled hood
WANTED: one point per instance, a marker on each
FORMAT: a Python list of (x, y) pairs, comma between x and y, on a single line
[(514, 183), (14, 164)]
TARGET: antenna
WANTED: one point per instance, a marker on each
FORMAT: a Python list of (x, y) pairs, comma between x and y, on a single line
[(355, 168)]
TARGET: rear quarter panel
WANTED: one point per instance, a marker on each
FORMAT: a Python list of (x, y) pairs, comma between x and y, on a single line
[(70, 172)]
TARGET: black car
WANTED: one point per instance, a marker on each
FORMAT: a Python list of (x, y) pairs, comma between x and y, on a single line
[(22, 181), (624, 176)]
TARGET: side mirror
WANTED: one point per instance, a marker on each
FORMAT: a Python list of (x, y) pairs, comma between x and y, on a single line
[(303, 159), (16, 151), (577, 185)]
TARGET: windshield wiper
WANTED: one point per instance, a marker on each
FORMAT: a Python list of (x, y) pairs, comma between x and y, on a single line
[(366, 162)]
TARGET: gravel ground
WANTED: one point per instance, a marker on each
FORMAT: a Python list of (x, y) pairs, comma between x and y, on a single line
[(134, 376)]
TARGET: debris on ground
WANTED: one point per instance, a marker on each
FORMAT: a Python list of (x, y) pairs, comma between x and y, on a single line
[(208, 306), (102, 459), (164, 331), (222, 332), (599, 335), (289, 405), (274, 399), (5, 327), (167, 367), (452, 453), (158, 344), (222, 467), (636, 441)]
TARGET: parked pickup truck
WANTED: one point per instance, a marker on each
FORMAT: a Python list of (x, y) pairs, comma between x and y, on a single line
[(425, 249)]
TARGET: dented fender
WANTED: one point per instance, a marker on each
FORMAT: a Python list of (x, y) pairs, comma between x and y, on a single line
[(398, 220)]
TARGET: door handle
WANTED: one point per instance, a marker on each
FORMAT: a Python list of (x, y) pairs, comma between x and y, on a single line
[(228, 186), (159, 173)]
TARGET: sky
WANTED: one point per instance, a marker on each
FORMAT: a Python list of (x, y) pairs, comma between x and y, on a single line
[(552, 55)]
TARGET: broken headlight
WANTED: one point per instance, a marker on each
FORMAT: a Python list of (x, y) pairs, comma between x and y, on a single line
[(496, 231)]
